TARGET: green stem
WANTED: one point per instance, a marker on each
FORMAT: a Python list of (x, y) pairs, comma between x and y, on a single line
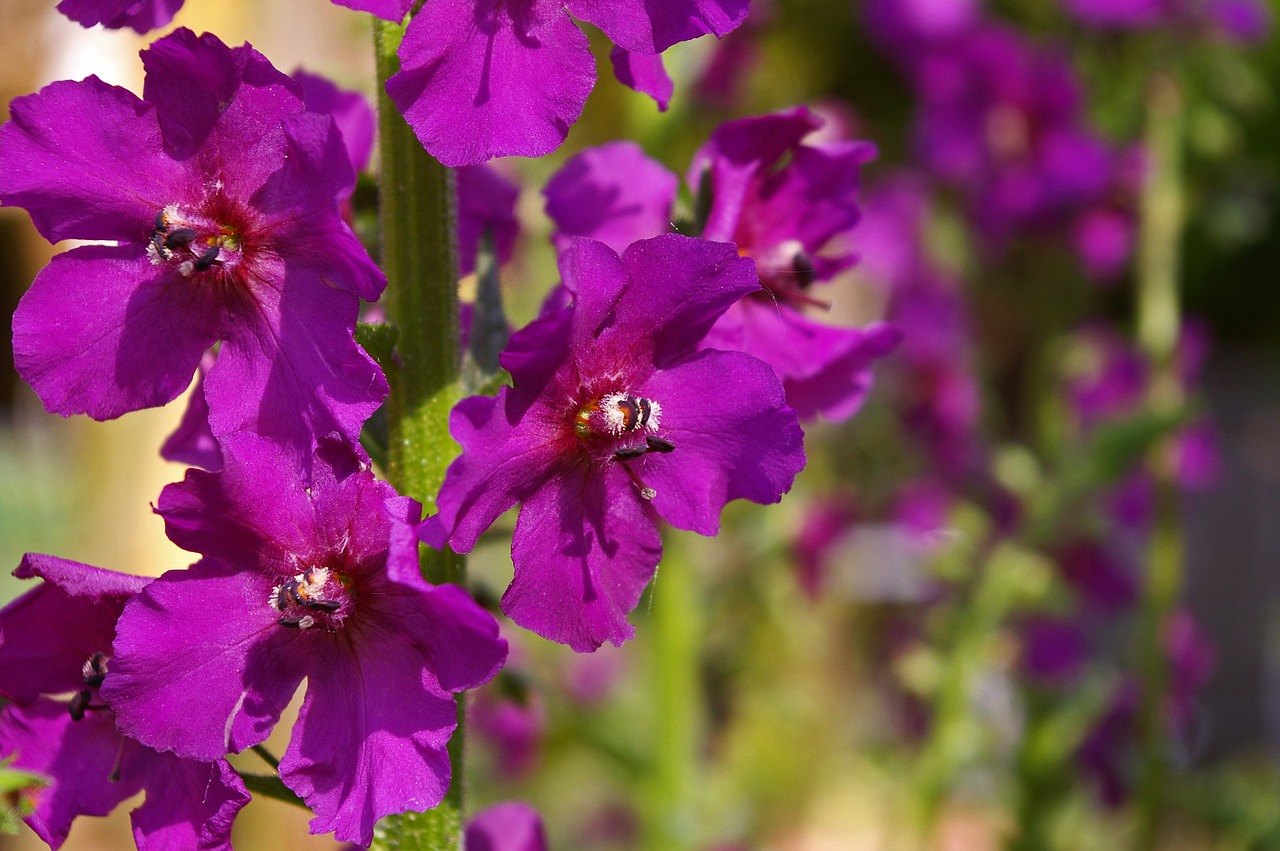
[(1158, 327), (418, 218), (675, 641)]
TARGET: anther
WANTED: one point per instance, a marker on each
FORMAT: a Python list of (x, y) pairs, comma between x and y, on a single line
[(657, 444), (206, 260), (177, 238)]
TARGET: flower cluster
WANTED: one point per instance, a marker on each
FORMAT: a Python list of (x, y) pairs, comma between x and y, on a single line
[(666, 377), (220, 194)]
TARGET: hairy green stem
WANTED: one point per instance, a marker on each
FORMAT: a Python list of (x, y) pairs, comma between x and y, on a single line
[(1158, 327), (418, 218)]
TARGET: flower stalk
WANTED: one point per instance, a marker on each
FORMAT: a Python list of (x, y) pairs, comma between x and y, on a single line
[(418, 219), (1158, 321)]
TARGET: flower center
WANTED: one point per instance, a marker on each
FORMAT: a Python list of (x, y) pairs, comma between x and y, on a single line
[(622, 425), (193, 242), (315, 597), (786, 273)]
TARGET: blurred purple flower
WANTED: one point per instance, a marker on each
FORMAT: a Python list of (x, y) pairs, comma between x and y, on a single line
[(512, 724), (1002, 119), (1234, 20), (826, 521), (57, 641), (221, 199), (509, 826), (909, 25), (1107, 752), (1054, 650), (616, 420), (309, 576)]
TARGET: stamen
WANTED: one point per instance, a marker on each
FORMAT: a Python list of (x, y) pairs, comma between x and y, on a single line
[(206, 260), (179, 238), (657, 444), (114, 776), (646, 492)]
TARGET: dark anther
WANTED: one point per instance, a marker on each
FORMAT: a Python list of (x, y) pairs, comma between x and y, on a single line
[(157, 240), (79, 704), (161, 224), (95, 670), (296, 623), (205, 261), (324, 605), (179, 238), (802, 266), (657, 444), (627, 453)]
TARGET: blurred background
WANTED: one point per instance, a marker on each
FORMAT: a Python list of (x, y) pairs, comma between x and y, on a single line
[(948, 635)]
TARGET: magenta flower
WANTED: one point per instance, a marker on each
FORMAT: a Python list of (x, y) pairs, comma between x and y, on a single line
[(303, 576), (57, 642), (787, 203), (616, 421), (220, 193), (351, 111), (481, 78), (509, 826), (1235, 20), (141, 16), (1002, 119)]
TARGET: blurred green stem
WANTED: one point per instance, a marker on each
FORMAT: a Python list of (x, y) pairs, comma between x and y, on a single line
[(418, 219), (1158, 328), (675, 635)]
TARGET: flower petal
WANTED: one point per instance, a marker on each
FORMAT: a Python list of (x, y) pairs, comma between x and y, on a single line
[(643, 26), (364, 748), (141, 17), (254, 514), (81, 179), (584, 548), (103, 332), (504, 459), (734, 438), (79, 758), (825, 369), (481, 78), (736, 153), (671, 289), (613, 193), (388, 10), (189, 804), (644, 73), (200, 665), (48, 633), (289, 368)]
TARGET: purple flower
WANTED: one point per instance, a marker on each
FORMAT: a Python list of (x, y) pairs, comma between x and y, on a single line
[(486, 78), (141, 16), (486, 202), (303, 576), (1234, 20), (509, 826), (616, 421), (351, 111), (220, 194), (784, 202), (57, 641), (1002, 120)]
